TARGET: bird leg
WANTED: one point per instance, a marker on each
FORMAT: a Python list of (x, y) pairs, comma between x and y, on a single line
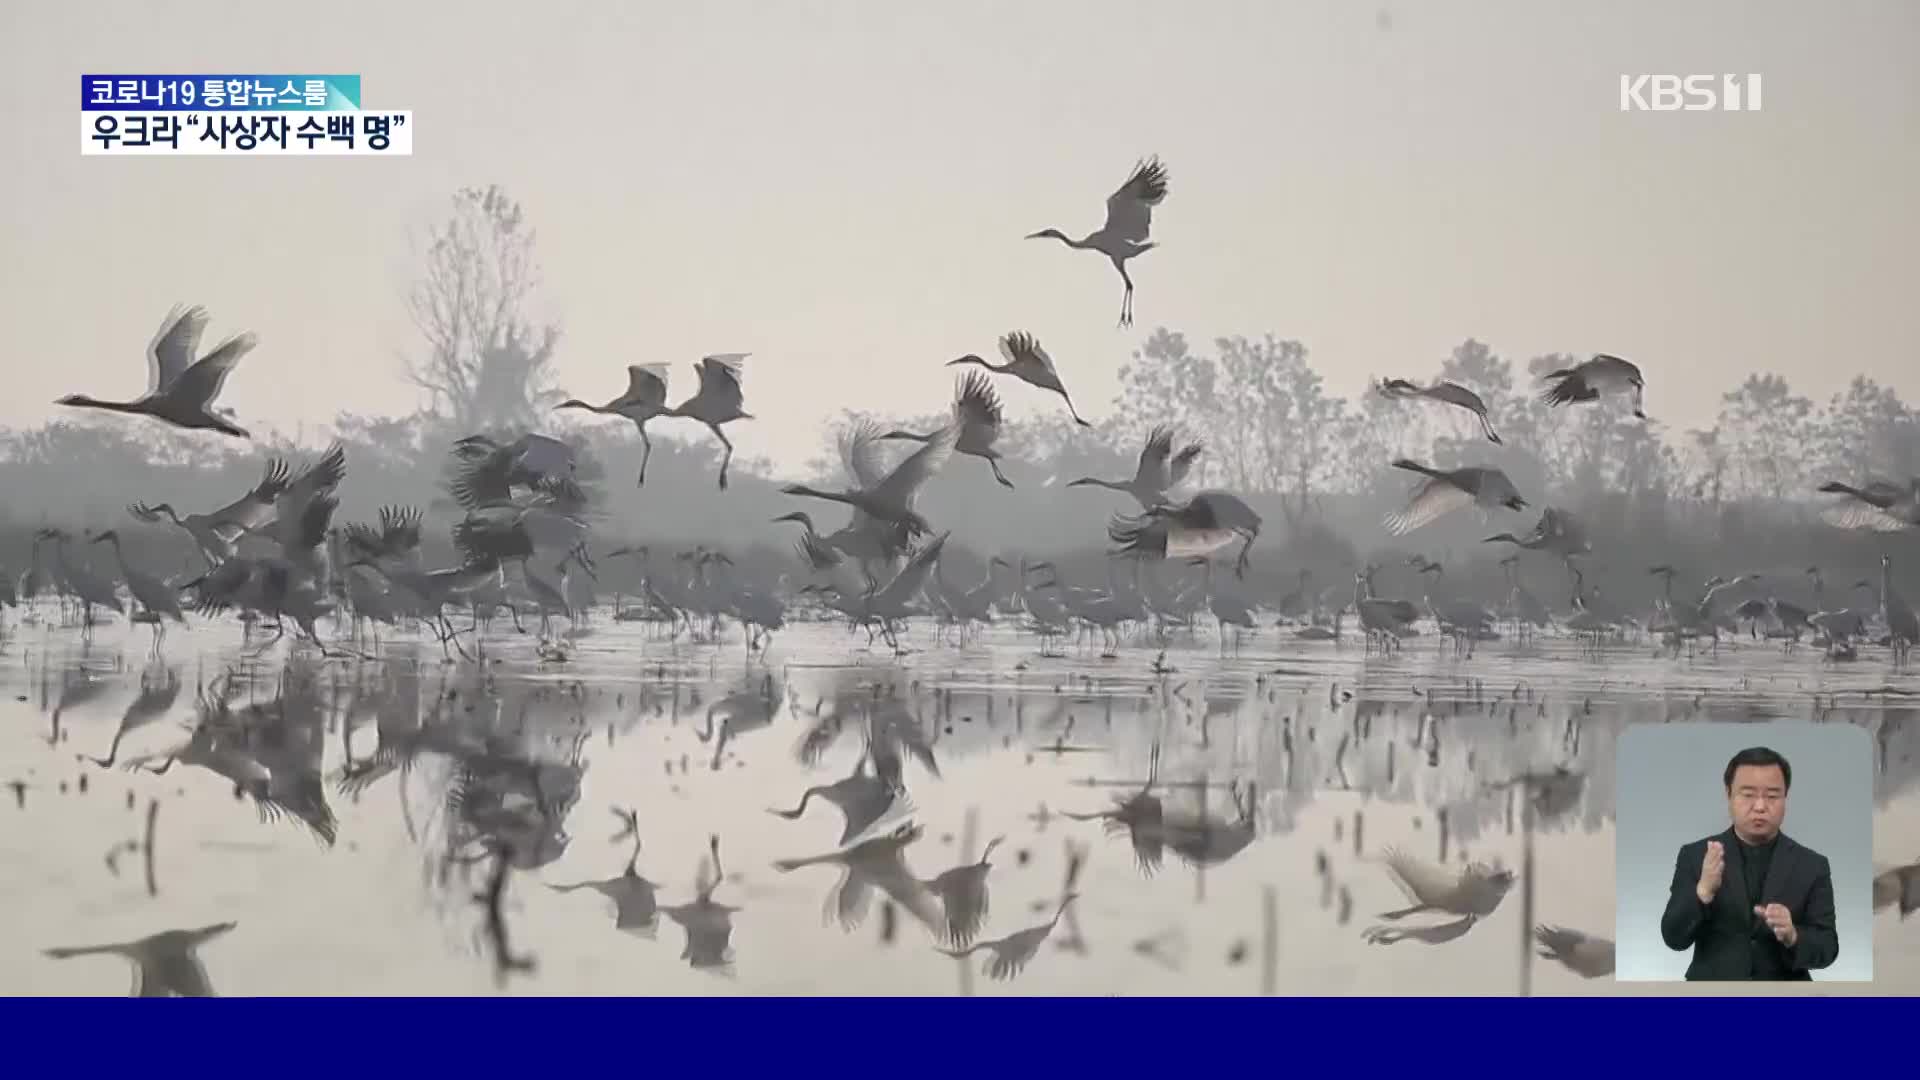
[(998, 475), (725, 459), (1126, 300)]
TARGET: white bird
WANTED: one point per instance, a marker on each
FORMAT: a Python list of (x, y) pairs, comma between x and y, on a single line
[(1446, 490), (718, 402), (1159, 471), (1028, 362), (646, 398), (1129, 219), (1596, 378), (181, 389), (1447, 393)]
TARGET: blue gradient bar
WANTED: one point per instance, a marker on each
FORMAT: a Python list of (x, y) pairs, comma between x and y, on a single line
[(1117, 1038), (219, 93)]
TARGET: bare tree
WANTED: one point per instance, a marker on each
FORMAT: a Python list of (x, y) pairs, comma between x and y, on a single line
[(486, 366)]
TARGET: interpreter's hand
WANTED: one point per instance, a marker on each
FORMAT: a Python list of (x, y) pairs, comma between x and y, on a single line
[(1780, 921), (1711, 869)]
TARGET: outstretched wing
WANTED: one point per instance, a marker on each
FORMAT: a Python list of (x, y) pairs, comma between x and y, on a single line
[(646, 387), (175, 347), (1853, 514), (917, 468), (1153, 472), (1433, 498), (1421, 882), (1183, 463), (1031, 362), (200, 384), (720, 378), (975, 402), (1455, 394), (1130, 208), (859, 445), (253, 510)]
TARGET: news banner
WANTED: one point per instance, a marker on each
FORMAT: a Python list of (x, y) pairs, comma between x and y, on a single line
[(269, 115)]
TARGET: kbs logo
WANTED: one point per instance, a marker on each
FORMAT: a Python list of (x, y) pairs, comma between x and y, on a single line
[(1691, 93)]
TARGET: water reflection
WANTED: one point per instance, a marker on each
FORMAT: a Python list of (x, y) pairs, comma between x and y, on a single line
[(1180, 823)]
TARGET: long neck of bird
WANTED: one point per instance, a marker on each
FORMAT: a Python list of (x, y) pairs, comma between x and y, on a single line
[(85, 402)]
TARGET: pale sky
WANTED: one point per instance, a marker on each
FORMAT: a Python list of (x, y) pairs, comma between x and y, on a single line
[(842, 188)]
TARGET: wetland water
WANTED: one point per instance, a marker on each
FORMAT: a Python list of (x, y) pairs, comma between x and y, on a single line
[(347, 816)]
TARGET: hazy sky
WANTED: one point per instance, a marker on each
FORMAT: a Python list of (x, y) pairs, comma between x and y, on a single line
[(841, 188)]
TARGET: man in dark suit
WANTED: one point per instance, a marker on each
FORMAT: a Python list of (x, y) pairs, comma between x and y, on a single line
[(1751, 903)]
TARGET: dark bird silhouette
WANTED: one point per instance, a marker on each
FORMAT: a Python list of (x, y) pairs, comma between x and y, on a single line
[(1129, 219)]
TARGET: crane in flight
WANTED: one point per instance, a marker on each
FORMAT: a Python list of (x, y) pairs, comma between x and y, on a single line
[(718, 401), (1129, 218), (180, 388), (646, 398)]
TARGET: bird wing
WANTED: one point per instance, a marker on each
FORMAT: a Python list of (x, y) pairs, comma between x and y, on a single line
[(400, 528), (478, 483), (975, 404), (1423, 883), (1853, 514), (1153, 472), (1183, 542), (860, 452), (255, 508), (1029, 361), (1130, 208), (175, 347), (201, 383), (313, 481), (1433, 498), (1455, 394), (646, 386), (916, 468), (913, 576), (720, 378), (1183, 463), (541, 457)]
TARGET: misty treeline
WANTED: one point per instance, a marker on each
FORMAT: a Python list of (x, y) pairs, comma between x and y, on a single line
[(1731, 498)]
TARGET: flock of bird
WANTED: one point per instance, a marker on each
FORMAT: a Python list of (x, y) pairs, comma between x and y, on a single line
[(521, 506)]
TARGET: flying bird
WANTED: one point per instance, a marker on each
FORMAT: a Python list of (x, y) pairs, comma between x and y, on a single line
[(718, 402), (164, 965), (1446, 490), (1200, 526), (976, 408), (181, 389), (1159, 471), (1880, 506), (1029, 363), (1447, 393), (1596, 378), (1129, 217), (646, 398), (1473, 891)]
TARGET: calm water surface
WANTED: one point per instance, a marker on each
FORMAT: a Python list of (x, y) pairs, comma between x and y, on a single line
[(349, 815)]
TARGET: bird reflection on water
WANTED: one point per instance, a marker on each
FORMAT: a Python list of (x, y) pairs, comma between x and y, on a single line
[(1252, 775)]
